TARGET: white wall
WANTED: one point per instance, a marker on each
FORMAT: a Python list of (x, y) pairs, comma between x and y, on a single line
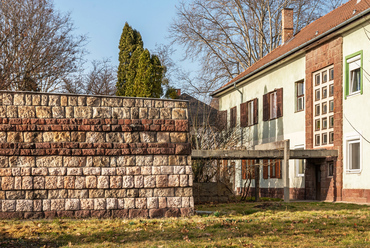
[(290, 126), (356, 109)]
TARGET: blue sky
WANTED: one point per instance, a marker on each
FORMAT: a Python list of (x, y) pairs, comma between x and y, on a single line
[(103, 22)]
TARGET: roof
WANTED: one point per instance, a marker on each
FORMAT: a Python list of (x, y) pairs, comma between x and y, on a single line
[(326, 24)]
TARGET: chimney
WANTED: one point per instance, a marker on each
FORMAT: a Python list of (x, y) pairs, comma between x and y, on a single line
[(287, 25), (178, 92)]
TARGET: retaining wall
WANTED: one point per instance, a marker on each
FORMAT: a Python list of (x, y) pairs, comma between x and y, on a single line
[(93, 156)]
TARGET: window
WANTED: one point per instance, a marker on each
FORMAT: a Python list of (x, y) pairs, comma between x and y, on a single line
[(354, 74), (324, 106), (249, 113), (299, 96), (273, 105), (330, 169), (299, 163), (272, 168), (233, 117), (353, 154)]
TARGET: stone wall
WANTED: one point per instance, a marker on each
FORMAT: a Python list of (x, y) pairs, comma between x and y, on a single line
[(93, 156), (212, 192)]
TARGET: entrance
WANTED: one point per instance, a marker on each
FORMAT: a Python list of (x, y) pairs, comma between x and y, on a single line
[(318, 182)]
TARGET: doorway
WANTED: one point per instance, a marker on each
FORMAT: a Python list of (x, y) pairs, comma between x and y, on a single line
[(318, 182)]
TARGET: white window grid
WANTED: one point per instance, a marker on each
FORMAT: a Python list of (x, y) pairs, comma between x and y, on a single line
[(350, 140), (323, 80)]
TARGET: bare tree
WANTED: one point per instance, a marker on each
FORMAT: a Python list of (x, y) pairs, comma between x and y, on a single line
[(228, 36), (101, 80), (37, 47)]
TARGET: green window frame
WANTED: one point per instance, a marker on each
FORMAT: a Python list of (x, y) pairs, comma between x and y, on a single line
[(347, 75)]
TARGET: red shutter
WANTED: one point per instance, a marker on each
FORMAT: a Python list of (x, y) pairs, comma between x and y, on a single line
[(244, 169), (243, 114), (255, 114), (279, 101), (278, 168), (266, 107), (222, 120), (265, 169), (271, 164), (253, 169)]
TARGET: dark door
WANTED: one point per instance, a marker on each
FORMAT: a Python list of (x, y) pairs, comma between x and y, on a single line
[(318, 182)]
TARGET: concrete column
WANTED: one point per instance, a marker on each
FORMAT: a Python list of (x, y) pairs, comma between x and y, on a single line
[(285, 170)]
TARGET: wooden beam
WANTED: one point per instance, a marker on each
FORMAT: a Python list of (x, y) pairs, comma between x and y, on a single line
[(261, 154)]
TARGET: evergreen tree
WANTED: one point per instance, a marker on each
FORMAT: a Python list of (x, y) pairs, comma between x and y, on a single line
[(139, 73)]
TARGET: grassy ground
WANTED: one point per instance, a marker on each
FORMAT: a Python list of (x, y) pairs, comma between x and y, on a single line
[(263, 224)]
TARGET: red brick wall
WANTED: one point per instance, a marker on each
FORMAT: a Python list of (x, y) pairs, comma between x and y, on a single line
[(323, 55)]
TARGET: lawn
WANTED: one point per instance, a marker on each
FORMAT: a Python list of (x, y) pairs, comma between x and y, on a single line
[(263, 224)]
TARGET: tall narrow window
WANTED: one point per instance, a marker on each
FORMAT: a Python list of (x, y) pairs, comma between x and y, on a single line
[(273, 105), (354, 74), (250, 112), (299, 96), (233, 117), (299, 163)]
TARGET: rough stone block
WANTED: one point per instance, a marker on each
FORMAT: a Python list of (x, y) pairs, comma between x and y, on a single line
[(135, 113), (178, 113), (7, 183), (80, 182), (57, 204), (92, 171), (37, 205), (133, 170), (166, 170), (102, 112), (131, 137), (93, 101), (161, 181), (12, 111), (15, 195), (58, 112), (51, 182), (156, 170), (46, 205), (132, 193), (6, 172), (178, 170), (64, 101), (14, 137), (100, 161), (129, 203), (140, 203), (48, 137), (114, 137), (149, 181), (111, 203), (36, 194), (146, 170), (49, 161), (27, 182), (60, 183), (146, 193), (69, 182), (178, 137), (33, 137), (15, 172), (78, 137), (139, 181), (91, 182), (116, 182), (87, 204), (39, 182), (39, 171), (72, 101), (174, 202), (74, 171), (72, 204), (81, 100), (99, 204), (111, 102), (160, 160), (54, 100), (2, 137), (148, 137), (26, 112), (184, 181), (128, 103), (185, 202), (78, 194), (115, 193), (108, 171), (103, 182), (8, 205), (143, 113), (188, 170), (19, 99), (18, 183), (164, 192), (127, 181), (83, 112), (96, 193), (120, 203), (152, 202), (74, 161), (153, 113), (165, 113), (61, 136), (121, 171), (163, 137), (57, 171)]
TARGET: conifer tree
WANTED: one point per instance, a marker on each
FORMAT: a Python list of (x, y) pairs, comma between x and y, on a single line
[(139, 73)]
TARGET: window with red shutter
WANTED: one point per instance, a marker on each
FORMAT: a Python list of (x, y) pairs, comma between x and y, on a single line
[(279, 101), (266, 107), (278, 168), (265, 169), (233, 117), (244, 169), (243, 114), (273, 105)]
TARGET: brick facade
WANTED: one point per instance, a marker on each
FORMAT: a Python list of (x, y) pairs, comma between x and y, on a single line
[(82, 156), (324, 55)]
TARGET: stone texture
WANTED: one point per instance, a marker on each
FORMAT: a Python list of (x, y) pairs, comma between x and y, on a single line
[(57, 204), (72, 204), (50, 161), (99, 204), (127, 181), (91, 182), (103, 182), (116, 182), (178, 137), (149, 181), (26, 112), (140, 203)]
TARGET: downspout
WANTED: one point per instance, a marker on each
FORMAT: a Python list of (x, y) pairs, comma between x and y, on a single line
[(241, 143)]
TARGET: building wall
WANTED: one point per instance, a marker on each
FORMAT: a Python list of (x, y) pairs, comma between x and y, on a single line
[(290, 126), (320, 57), (82, 156), (356, 118)]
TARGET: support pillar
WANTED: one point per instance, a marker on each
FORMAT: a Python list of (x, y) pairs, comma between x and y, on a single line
[(285, 170)]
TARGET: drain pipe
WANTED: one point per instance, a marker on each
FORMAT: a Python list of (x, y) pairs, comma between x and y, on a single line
[(241, 135)]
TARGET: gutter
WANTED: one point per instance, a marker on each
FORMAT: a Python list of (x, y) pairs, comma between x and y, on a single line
[(363, 13)]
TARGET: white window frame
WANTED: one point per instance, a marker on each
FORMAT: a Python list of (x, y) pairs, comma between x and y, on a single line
[(353, 64), (297, 162), (351, 139), (250, 106)]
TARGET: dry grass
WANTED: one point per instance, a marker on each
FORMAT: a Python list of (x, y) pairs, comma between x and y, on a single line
[(265, 224)]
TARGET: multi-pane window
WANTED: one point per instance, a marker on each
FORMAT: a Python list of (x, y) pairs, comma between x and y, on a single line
[(299, 96), (271, 168), (249, 113), (330, 169), (273, 105), (353, 74), (354, 154), (233, 117), (248, 168), (323, 114)]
